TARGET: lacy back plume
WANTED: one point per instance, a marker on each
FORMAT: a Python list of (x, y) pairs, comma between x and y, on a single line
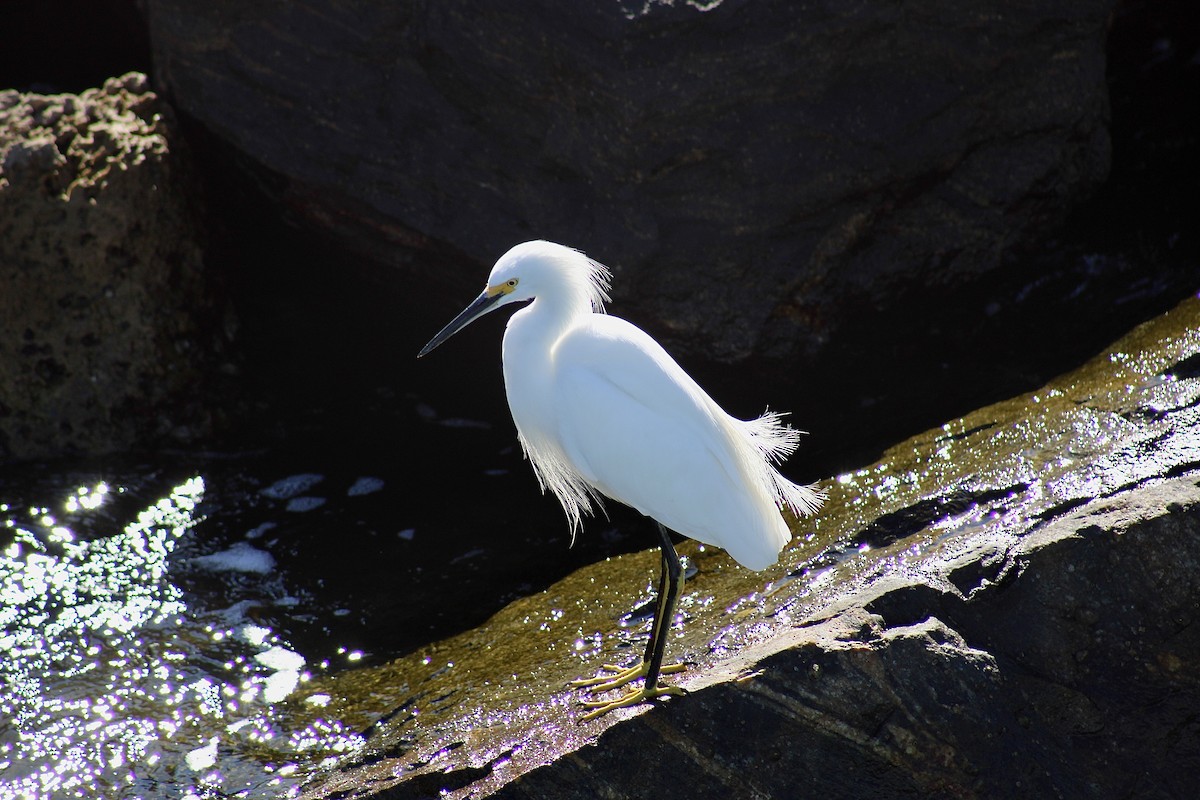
[(772, 441)]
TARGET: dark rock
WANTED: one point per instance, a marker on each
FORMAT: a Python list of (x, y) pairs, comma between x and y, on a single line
[(1001, 607), (754, 171), (107, 318)]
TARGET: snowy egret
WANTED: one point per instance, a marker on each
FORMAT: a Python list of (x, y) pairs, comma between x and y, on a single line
[(602, 409)]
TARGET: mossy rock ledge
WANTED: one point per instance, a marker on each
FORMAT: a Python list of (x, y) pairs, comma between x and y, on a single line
[(1004, 606)]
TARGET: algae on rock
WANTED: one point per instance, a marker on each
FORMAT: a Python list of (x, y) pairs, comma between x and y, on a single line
[(941, 628)]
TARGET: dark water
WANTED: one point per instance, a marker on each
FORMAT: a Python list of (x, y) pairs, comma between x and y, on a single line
[(116, 678)]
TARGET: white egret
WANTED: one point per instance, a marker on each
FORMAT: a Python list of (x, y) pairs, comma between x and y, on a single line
[(602, 409)]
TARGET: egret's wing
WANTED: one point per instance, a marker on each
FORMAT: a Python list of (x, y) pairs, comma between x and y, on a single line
[(642, 431)]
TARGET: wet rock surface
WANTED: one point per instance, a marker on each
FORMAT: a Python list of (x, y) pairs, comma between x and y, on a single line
[(1000, 607), (107, 317)]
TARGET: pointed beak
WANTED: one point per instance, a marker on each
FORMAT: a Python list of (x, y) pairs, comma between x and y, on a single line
[(481, 305)]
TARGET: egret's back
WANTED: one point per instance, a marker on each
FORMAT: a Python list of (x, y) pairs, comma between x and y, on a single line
[(601, 408), (637, 428)]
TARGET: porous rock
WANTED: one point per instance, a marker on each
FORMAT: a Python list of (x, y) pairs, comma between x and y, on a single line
[(106, 313)]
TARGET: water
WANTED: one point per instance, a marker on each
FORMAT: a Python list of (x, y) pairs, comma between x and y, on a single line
[(118, 682)]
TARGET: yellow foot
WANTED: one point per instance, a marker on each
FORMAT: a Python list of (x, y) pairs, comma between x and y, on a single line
[(630, 698), (621, 676)]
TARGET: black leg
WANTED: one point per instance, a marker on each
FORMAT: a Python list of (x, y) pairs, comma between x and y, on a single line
[(664, 612), (669, 581), (658, 601)]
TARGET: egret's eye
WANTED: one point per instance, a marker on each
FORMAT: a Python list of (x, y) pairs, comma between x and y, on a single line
[(512, 283)]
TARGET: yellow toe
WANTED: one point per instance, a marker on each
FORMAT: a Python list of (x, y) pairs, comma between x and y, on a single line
[(631, 698), (621, 676)]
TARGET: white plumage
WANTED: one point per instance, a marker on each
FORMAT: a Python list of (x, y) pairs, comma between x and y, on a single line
[(602, 409)]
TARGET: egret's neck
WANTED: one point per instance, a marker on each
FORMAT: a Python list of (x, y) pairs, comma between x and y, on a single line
[(529, 345), (533, 331)]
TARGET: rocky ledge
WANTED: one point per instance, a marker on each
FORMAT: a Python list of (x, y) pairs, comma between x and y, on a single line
[(1003, 606)]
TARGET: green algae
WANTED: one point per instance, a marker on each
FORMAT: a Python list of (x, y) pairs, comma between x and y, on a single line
[(495, 701)]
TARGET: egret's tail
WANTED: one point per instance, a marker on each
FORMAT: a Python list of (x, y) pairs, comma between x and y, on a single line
[(776, 440)]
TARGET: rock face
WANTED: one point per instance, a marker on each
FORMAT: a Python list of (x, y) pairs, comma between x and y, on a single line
[(752, 170), (105, 313), (1061, 682), (1004, 606)]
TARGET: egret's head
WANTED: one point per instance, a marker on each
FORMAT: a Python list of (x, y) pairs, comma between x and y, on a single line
[(538, 268), (531, 270)]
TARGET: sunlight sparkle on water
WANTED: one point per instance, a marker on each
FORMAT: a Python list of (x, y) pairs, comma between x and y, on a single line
[(87, 499), (111, 686)]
